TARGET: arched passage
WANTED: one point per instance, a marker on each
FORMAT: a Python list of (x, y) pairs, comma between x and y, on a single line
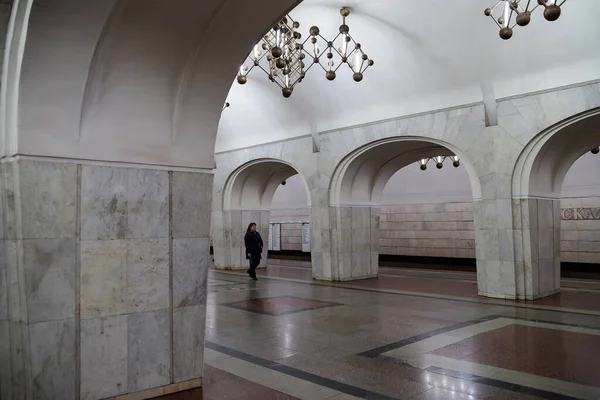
[(356, 193), (247, 198), (536, 185)]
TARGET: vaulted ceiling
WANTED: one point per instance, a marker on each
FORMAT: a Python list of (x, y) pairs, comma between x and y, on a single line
[(428, 55)]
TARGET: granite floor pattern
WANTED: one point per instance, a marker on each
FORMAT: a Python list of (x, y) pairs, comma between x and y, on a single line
[(290, 338)]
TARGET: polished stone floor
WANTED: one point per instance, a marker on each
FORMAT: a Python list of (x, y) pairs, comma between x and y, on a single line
[(408, 335)]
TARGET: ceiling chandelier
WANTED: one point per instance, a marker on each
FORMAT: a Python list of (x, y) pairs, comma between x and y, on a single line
[(439, 162), (281, 55), (596, 150), (504, 10)]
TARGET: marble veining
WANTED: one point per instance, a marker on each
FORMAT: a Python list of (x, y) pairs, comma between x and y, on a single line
[(53, 359), (190, 270), (188, 340), (103, 203), (47, 200), (148, 360), (103, 357), (50, 278), (191, 204)]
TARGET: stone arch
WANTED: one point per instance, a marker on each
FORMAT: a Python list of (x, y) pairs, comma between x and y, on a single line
[(536, 185), (360, 177), (355, 198), (253, 184), (246, 198)]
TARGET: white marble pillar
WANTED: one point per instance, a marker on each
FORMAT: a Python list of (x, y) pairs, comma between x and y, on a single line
[(354, 243), (537, 244), (107, 271), (229, 228)]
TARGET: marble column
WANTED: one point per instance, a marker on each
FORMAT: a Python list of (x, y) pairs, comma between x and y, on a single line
[(229, 228), (106, 279), (354, 242), (537, 243)]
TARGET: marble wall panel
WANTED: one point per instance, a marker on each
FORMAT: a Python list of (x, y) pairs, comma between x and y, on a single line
[(103, 278), (190, 270), (192, 196), (188, 340), (47, 198), (53, 365), (147, 204), (103, 203), (103, 357), (147, 266), (5, 365), (3, 283), (123, 276), (148, 360), (50, 278)]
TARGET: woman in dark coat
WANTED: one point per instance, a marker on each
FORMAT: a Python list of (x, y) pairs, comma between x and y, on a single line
[(254, 247)]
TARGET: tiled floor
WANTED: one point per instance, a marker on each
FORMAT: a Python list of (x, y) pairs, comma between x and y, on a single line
[(287, 337)]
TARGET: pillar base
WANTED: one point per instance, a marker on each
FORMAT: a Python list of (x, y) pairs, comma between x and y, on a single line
[(347, 279), (160, 391), (520, 297), (238, 268)]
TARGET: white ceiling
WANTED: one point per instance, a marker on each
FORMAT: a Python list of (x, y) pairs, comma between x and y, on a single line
[(428, 55)]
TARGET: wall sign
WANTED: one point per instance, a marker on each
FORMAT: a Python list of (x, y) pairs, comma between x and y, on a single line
[(580, 214), (270, 240), (306, 238), (276, 237)]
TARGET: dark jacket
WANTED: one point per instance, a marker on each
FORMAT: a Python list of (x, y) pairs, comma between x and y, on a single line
[(254, 245)]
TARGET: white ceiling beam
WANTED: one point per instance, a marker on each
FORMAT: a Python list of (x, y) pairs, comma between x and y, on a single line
[(489, 102)]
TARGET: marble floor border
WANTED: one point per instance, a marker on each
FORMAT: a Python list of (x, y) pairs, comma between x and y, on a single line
[(325, 304), (490, 301), (336, 386), (414, 352), (378, 351), (500, 384)]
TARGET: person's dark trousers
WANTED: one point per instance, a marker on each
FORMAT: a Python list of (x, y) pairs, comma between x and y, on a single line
[(253, 264)]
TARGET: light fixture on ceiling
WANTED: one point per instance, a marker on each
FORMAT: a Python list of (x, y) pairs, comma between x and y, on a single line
[(596, 150), (225, 106), (439, 162), (285, 55), (349, 51), (509, 13)]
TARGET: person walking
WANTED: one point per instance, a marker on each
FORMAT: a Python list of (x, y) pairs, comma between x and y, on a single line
[(254, 248)]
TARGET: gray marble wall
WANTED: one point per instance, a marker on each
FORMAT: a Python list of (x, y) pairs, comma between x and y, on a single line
[(489, 154), (107, 276)]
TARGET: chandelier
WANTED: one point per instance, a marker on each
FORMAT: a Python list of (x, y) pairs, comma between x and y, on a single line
[(596, 150), (439, 162), (281, 55), (504, 10)]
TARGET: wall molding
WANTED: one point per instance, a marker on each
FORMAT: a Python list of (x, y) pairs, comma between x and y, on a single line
[(103, 163)]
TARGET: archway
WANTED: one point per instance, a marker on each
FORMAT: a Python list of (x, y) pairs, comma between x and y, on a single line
[(247, 197), (356, 194), (536, 183)]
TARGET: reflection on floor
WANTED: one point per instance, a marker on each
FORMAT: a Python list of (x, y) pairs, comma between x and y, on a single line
[(287, 337)]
